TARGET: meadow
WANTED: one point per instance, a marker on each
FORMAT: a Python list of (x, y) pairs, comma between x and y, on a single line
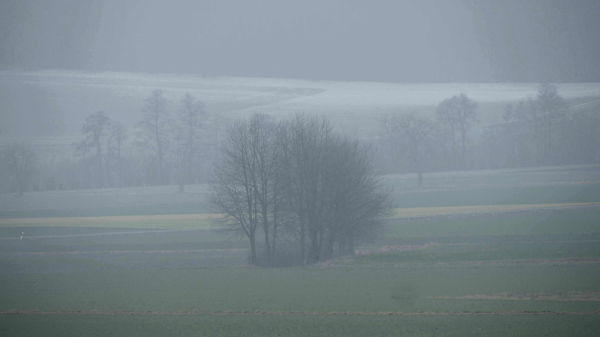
[(454, 261), (534, 272), (489, 188)]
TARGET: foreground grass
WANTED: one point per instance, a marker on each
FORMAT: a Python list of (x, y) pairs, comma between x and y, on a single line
[(142, 284), (69, 325), (529, 264)]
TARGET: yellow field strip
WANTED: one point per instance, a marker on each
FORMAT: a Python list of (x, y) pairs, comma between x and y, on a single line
[(425, 211), (182, 221), (126, 221)]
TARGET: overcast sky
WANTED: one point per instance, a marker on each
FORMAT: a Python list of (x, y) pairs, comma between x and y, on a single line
[(399, 41)]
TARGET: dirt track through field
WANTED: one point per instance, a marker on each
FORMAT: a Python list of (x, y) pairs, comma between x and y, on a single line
[(299, 313)]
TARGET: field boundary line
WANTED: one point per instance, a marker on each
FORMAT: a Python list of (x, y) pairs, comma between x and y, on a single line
[(300, 313), (550, 207), (511, 242), (569, 296), (65, 220), (504, 186), (127, 252), (151, 231)]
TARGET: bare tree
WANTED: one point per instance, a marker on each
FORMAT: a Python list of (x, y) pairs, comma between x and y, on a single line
[(331, 188), (551, 106), (96, 128), (298, 173), (581, 137), (414, 134), (357, 202), (188, 138), (155, 125), (266, 155), (447, 122), (510, 127), (457, 114), (236, 183), (247, 182), (304, 153), (20, 163), (115, 143), (465, 114)]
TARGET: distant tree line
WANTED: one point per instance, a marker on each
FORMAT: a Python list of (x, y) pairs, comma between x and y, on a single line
[(162, 149), (541, 131), (296, 190), (536, 131), (179, 147)]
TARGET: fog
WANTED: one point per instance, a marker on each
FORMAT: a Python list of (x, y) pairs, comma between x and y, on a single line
[(397, 41), (349, 168)]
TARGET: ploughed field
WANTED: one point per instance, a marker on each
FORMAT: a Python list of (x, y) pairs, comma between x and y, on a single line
[(500, 269)]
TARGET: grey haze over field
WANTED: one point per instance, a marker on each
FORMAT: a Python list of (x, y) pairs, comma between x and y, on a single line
[(395, 41)]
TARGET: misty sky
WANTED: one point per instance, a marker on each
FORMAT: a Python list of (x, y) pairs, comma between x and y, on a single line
[(400, 41)]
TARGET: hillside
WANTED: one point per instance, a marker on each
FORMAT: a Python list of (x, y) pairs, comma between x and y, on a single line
[(50, 106)]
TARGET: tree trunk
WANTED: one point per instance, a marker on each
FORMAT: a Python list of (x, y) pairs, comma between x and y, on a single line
[(464, 148), (267, 241), (418, 165), (252, 250), (329, 248), (19, 186), (350, 245), (160, 165), (274, 240), (314, 251), (302, 242), (99, 159), (342, 245), (453, 146), (275, 208)]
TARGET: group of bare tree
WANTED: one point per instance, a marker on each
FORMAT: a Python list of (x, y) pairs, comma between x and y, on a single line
[(305, 190), (427, 143), (102, 133), (539, 130), (167, 150), (162, 149), (177, 141), (19, 160)]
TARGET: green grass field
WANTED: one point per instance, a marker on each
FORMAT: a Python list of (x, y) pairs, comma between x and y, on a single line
[(553, 185), (499, 253), (531, 272), (232, 326)]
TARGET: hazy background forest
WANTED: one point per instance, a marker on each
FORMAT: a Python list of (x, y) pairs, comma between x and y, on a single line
[(414, 127)]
